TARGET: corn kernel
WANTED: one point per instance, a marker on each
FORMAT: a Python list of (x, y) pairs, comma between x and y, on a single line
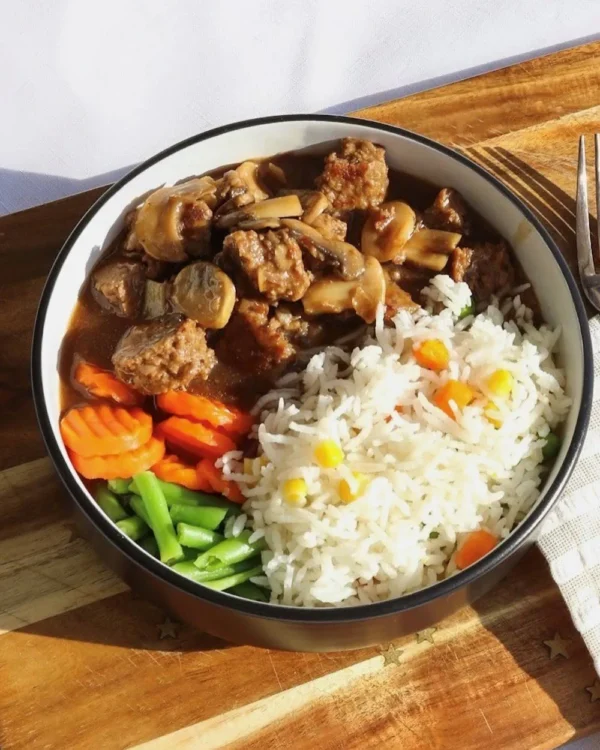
[(294, 491), (492, 414), (347, 493), (500, 383), (328, 454)]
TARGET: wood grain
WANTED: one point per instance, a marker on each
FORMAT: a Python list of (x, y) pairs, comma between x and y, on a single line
[(84, 663)]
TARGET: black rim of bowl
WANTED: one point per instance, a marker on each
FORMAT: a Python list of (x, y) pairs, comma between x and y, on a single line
[(318, 615)]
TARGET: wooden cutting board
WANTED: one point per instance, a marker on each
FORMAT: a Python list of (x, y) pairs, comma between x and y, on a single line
[(84, 663)]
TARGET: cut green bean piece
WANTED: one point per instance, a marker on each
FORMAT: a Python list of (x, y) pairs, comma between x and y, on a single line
[(133, 527), (158, 515), (229, 551), (189, 570), (119, 486), (175, 494), (196, 537), (467, 310), (149, 544), (226, 583), (109, 503), (249, 590), (138, 507), (552, 447), (207, 518)]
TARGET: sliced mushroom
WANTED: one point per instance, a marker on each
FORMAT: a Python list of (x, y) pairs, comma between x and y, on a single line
[(272, 208), (259, 224), (432, 261), (156, 299), (362, 295), (204, 293), (347, 260), (248, 172), (314, 205), (157, 226), (329, 296), (387, 230), (433, 241), (430, 248), (277, 172)]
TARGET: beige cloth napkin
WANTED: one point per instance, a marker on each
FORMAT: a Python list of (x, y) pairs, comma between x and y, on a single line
[(570, 537)]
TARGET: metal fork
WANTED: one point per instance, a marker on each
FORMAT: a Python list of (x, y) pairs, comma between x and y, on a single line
[(590, 280)]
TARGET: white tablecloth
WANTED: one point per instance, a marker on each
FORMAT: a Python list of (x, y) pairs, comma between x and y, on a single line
[(89, 88)]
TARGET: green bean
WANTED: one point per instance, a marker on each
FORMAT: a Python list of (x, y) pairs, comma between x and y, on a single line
[(109, 503), (248, 590), (552, 447), (230, 551), (158, 515), (196, 537), (119, 486), (133, 527), (189, 570), (467, 310), (149, 544), (138, 507), (226, 583), (175, 494), (207, 518)]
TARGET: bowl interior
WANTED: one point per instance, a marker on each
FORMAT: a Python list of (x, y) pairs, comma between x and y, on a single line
[(404, 152)]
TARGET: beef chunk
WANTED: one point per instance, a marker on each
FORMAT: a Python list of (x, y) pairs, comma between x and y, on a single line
[(252, 341), (487, 269), (270, 262), (195, 228), (330, 227), (461, 260), (119, 287), (299, 330), (356, 176), (412, 280), (162, 355), (396, 298), (448, 212)]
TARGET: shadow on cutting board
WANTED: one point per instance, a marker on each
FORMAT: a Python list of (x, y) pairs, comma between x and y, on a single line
[(538, 645)]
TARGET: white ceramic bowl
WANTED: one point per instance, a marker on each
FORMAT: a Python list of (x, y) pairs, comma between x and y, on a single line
[(557, 292)]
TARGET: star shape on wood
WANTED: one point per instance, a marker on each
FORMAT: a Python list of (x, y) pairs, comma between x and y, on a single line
[(168, 629), (594, 691), (391, 655), (426, 635), (73, 530), (557, 646)]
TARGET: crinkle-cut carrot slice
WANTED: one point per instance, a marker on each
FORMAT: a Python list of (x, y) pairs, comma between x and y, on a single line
[(475, 546), (209, 472), (103, 384), (195, 437), (104, 429), (172, 469), (121, 466), (205, 409)]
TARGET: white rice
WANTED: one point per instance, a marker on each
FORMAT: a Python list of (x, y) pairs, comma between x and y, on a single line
[(432, 479)]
